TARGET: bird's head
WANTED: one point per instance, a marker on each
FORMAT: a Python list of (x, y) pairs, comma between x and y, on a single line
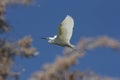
[(49, 39)]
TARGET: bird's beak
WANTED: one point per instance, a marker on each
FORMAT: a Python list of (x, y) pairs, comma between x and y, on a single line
[(45, 38)]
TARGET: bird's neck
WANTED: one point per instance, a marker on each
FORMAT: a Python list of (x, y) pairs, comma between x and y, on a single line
[(51, 40)]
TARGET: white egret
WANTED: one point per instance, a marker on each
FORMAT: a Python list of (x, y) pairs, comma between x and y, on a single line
[(64, 33)]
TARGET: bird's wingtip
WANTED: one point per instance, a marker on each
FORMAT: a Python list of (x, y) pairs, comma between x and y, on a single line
[(68, 16)]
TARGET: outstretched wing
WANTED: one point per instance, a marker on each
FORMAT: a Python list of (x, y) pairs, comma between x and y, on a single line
[(65, 29)]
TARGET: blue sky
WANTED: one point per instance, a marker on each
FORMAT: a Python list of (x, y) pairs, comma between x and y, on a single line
[(92, 18)]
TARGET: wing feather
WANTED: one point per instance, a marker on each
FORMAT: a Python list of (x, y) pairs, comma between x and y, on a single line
[(65, 29)]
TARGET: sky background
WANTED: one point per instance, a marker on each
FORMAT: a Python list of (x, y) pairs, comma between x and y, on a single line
[(93, 18)]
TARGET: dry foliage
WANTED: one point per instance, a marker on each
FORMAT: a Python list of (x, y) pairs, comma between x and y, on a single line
[(8, 50), (4, 27), (59, 69)]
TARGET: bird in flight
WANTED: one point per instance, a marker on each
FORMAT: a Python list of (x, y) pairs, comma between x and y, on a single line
[(64, 34)]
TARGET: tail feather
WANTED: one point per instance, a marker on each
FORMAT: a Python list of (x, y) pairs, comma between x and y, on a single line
[(71, 46)]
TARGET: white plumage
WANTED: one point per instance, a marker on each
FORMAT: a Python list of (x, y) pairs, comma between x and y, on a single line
[(64, 34)]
